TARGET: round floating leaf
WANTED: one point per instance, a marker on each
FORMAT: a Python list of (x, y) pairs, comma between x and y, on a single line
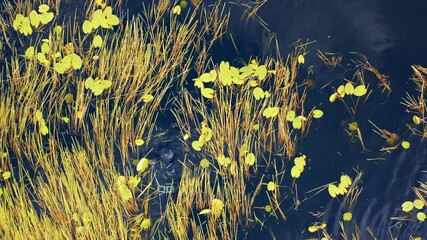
[(301, 59), (197, 145), (176, 10), (297, 123), (406, 145), (261, 72), (145, 224), (87, 27), (360, 90), (341, 91), (267, 208), (317, 113), (345, 180), (97, 41), (333, 97), (6, 175), (421, 216), (207, 92), (43, 8), (353, 126), (147, 98), (29, 53), (333, 190), (250, 159), (296, 171), (217, 206), (418, 204), (416, 119), (139, 142), (407, 206), (142, 165), (44, 130), (125, 193), (349, 88), (300, 161), (204, 163), (347, 216), (290, 116), (258, 93), (65, 119), (271, 186)]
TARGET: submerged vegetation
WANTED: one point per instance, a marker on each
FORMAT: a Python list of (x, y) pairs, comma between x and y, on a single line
[(84, 99)]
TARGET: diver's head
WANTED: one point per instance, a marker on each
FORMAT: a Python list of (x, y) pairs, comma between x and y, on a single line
[(166, 154)]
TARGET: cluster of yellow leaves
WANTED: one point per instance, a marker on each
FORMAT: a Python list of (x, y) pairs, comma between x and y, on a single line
[(104, 18), (70, 61), (205, 137), (229, 75), (342, 188), (42, 56), (295, 120), (23, 24), (42, 124), (125, 187), (216, 209), (270, 112), (348, 89), (299, 166), (97, 86), (418, 204), (223, 160)]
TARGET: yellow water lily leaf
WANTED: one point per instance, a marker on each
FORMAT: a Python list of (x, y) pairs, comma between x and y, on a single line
[(290, 116), (421, 216), (406, 145), (217, 207), (133, 182), (300, 161), (225, 74), (407, 206), (87, 27), (65, 119), (139, 142), (270, 112), (46, 17), (142, 165), (296, 171), (6, 175), (301, 59), (97, 41), (345, 180), (416, 119), (317, 113), (271, 186), (341, 91), (145, 224), (197, 145), (207, 92), (353, 126), (29, 53), (44, 130), (147, 98), (261, 72), (250, 159), (176, 10), (43, 8), (418, 204), (349, 88), (267, 208), (333, 97), (125, 192), (204, 163), (333, 190), (258, 93), (360, 91), (347, 216), (297, 122)]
